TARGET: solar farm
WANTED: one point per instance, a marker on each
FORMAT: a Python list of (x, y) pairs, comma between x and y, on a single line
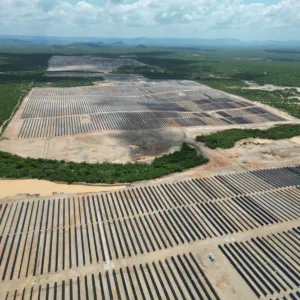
[(230, 236), (88, 64), (57, 112)]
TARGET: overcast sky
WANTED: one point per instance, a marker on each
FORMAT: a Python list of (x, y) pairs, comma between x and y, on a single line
[(242, 19)]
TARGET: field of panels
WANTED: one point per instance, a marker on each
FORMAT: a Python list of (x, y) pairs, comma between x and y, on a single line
[(268, 264), (145, 242), (88, 64), (52, 112), (173, 278)]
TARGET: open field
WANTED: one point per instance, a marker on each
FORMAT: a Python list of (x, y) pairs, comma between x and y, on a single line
[(46, 188), (154, 241)]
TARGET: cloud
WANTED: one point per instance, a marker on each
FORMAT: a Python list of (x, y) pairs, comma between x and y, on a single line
[(165, 18), (116, 1), (46, 5)]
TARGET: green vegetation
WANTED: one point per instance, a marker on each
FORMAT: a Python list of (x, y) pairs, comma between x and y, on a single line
[(64, 81), (10, 93), (13, 166), (263, 67), (288, 51), (227, 139)]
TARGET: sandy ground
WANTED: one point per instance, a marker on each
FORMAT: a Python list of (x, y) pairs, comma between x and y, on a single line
[(113, 146), (45, 188), (268, 87)]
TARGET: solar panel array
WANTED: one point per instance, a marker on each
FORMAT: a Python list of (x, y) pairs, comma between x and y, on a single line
[(83, 64), (51, 112), (50, 236), (268, 264)]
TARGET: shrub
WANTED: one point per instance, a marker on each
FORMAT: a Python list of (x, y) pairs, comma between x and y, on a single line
[(13, 166), (227, 138)]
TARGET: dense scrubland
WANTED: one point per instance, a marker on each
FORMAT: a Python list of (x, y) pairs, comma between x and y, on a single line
[(13, 166), (227, 138), (237, 64)]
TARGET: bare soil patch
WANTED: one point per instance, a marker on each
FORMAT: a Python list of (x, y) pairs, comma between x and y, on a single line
[(88, 63), (10, 188)]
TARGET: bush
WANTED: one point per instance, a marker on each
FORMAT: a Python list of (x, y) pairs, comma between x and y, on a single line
[(13, 166), (227, 139)]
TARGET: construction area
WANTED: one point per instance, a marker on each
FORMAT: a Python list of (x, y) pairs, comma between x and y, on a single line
[(88, 64), (230, 236), (51, 112), (228, 229), (126, 117)]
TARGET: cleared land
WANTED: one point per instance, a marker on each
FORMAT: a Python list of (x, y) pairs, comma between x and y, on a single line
[(118, 113), (89, 63), (154, 241), (45, 188), (51, 112)]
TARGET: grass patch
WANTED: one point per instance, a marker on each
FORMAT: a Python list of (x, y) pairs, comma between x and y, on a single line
[(9, 96), (227, 139), (65, 81), (13, 166)]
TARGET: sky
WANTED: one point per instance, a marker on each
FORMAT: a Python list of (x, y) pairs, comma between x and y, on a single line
[(240, 19)]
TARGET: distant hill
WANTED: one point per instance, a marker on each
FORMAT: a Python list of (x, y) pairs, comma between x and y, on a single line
[(89, 45), (13, 41), (141, 46), (95, 42), (80, 45), (119, 43)]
